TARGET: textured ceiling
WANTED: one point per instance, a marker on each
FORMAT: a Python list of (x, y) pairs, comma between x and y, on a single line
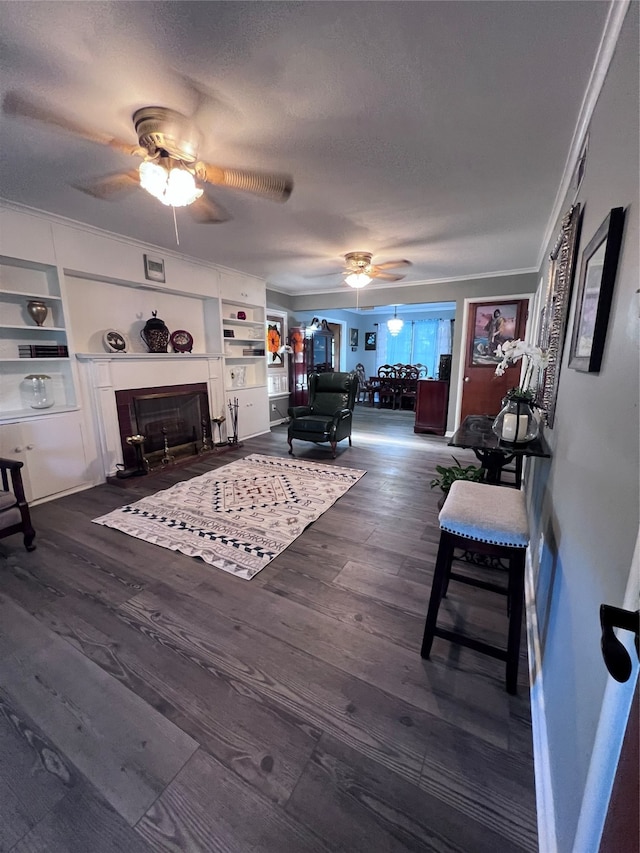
[(432, 131)]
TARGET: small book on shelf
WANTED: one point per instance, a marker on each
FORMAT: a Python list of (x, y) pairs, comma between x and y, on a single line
[(42, 350)]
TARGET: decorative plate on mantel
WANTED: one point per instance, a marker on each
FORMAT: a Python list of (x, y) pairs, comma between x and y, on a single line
[(114, 341), (181, 341)]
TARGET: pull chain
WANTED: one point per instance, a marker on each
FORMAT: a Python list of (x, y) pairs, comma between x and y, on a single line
[(175, 225)]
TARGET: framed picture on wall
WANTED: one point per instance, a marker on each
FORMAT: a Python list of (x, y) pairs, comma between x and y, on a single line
[(555, 309), (274, 342), (353, 338), (595, 292), (492, 325), (370, 339)]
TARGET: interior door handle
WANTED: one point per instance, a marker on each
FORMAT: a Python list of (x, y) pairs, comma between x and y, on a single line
[(466, 378), (616, 657)]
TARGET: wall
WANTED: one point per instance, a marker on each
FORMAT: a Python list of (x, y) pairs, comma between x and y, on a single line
[(586, 500), (517, 284)]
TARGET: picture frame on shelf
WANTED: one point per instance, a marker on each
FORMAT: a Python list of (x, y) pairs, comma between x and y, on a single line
[(228, 333), (153, 268), (595, 293)]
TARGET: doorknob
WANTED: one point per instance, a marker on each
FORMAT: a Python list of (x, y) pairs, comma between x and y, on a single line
[(616, 657), (466, 378)]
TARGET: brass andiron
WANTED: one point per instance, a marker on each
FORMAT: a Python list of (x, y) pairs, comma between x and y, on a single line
[(219, 421), (167, 458), (142, 463), (206, 442)]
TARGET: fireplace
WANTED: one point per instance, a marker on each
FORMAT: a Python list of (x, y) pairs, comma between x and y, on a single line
[(175, 413)]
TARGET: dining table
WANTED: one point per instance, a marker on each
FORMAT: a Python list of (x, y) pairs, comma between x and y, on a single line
[(475, 433)]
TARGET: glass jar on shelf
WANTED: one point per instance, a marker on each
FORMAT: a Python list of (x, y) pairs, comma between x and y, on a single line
[(37, 391)]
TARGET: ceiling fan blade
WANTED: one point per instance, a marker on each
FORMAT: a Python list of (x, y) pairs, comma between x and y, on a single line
[(385, 276), (205, 210), (275, 187), (110, 185), (389, 265), (18, 105)]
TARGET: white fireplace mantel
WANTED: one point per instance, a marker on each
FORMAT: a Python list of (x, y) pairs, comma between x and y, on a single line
[(102, 374)]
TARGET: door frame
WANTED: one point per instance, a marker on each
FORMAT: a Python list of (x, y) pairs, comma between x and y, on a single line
[(462, 355)]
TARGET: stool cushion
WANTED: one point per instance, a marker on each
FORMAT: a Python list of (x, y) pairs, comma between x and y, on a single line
[(485, 513)]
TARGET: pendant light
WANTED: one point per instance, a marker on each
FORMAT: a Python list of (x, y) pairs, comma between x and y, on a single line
[(395, 323)]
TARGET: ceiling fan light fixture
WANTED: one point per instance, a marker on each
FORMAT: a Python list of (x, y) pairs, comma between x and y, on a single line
[(395, 324), (358, 279), (175, 187)]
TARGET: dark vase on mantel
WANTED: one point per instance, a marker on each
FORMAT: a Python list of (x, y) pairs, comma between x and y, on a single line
[(155, 334)]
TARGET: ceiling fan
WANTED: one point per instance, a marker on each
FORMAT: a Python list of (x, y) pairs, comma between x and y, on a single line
[(170, 170), (359, 270)]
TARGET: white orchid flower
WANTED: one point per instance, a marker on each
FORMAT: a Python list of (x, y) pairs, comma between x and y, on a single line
[(512, 351)]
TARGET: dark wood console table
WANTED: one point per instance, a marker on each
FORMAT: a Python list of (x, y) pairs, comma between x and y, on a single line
[(475, 433)]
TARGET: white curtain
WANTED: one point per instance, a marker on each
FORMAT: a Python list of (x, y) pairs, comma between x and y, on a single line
[(419, 342)]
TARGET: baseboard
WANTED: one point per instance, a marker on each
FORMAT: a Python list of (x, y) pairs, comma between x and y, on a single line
[(545, 806)]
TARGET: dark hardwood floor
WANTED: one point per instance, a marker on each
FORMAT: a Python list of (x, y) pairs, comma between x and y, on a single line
[(149, 702)]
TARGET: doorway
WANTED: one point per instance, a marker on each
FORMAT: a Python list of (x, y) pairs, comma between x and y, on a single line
[(490, 323)]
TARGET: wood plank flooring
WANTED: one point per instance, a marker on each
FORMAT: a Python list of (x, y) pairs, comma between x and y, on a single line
[(149, 702)]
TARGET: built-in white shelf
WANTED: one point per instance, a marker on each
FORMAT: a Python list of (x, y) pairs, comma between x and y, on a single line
[(124, 356)]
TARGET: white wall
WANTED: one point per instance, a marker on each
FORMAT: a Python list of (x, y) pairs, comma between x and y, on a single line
[(586, 500)]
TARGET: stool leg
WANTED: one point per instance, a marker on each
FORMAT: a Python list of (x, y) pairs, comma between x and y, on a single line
[(516, 597), (440, 579)]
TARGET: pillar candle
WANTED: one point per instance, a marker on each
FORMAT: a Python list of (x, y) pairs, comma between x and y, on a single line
[(514, 427)]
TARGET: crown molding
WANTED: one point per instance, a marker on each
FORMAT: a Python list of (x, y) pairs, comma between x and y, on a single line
[(120, 238), (385, 285), (610, 34)]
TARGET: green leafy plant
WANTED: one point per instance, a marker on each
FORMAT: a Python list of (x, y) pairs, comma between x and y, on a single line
[(449, 473)]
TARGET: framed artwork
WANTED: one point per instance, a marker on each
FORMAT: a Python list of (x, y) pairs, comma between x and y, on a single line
[(370, 340), (153, 268), (274, 342), (492, 324), (595, 292), (353, 338), (555, 309)]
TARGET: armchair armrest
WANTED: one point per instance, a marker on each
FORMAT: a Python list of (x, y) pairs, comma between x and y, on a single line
[(12, 466), (298, 411)]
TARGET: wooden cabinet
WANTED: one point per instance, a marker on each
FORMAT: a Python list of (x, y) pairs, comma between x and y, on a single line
[(53, 452), (432, 403), (253, 415), (312, 353)]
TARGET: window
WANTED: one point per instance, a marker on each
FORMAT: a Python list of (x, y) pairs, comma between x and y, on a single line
[(419, 342)]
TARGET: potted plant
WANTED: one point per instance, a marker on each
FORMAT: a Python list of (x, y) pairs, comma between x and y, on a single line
[(516, 421), (447, 474)]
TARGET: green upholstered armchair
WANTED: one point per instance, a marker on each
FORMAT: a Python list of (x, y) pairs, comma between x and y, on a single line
[(328, 415)]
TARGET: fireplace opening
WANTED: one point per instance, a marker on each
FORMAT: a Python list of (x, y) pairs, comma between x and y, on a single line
[(172, 418)]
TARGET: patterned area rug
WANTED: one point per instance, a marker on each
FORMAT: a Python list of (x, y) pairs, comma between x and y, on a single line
[(239, 517)]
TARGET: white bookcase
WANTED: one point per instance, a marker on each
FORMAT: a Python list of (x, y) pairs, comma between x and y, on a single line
[(245, 372), (20, 282)]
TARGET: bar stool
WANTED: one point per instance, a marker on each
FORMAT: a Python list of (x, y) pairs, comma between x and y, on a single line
[(489, 520)]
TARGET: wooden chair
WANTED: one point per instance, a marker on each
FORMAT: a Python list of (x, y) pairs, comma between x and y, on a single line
[(490, 521), (363, 391), (409, 386), (388, 392), (14, 509)]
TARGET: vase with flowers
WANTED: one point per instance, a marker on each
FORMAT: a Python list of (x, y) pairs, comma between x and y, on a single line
[(516, 422)]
